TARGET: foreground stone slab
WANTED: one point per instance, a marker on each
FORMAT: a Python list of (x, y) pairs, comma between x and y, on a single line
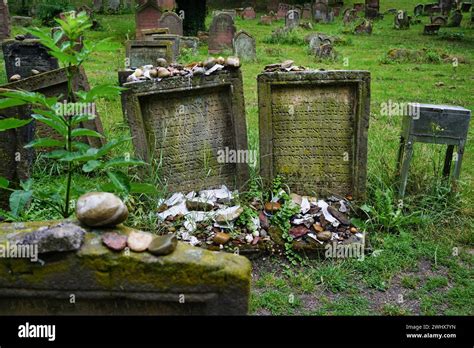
[(189, 281), (313, 130), (188, 124)]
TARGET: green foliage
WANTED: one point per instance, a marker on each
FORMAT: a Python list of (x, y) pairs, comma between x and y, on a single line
[(286, 37), (48, 10)]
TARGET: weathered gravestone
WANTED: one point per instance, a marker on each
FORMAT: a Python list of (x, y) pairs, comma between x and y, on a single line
[(322, 13), (189, 281), (4, 20), (149, 34), (372, 8), (176, 42), (249, 13), (139, 52), (350, 15), (282, 10), (171, 21), (245, 46), (418, 11), (147, 16), (359, 7), (306, 13), (167, 5), (446, 6), (266, 20), (113, 6), (221, 33), (231, 12), (466, 6), (455, 19), (313, 130), (364, 27), (97, 6), (431, 29), (292, 19), (430, 9), (401, 20), (186, 123), (439, 20), (21, 57), (21, 21)]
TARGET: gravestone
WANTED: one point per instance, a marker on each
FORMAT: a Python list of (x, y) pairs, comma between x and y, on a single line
[(221, 34), (113, 6), (167, 5), (282, 10), (185, 122), (336, 10), (173, 41), (313, 130), (431, 29), (171, 21), (232, 13), (439, 20), (372, 8), (430, 9), (245, 46), (466, 6), (249, 13), (272, 5), (149, 34), (306, 13), (455, 19), (446, 6), (21, 57), (401, 20), (350, 15), (189, 43), (266, 20), (418, 11), (147, 16), (188, 281), (359, 7), (364, 27), (140, 52), (322, 13), (292, 19), (97, 6), (4, 20)]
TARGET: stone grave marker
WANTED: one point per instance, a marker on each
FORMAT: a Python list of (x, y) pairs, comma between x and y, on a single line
[(186, 122), (431, 29), (113, 6), (147, 16), (174, 41), (401, 20), (418, 11), (446, 6), (188, 281), (306, 13), (167, 5), (4, 20), (364, 27), (21, 21), (266, 20), (97, 5), (292, 19), (431, 9), (322, 13), (439, 20), (313, 130), (21, 57), (359, 7), (245, 46), (171, 21), (221, 34), (350, 15), (372, 8), (466, 6), (140, 52), (249, 13), (282, 10), (455, 19), (230, 12), (149, 34)]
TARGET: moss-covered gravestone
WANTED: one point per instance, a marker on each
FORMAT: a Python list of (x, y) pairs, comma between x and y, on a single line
[(313, 130), (90, 279)]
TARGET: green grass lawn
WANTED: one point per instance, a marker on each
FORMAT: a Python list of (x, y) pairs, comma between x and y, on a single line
[(419, 267)]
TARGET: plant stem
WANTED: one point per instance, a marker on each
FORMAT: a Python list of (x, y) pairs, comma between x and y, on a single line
[(70, 76)]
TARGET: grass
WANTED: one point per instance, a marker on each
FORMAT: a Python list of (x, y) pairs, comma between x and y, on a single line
[(425, 253)]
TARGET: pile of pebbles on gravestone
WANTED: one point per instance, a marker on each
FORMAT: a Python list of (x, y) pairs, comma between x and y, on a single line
[(209, 218), (103, 209), (287, 65), (164, 70)]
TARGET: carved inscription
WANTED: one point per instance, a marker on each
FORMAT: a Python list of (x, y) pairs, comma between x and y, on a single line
[(187, 130), (313, 137)]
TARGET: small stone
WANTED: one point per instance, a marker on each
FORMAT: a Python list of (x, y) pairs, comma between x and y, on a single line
[(264, 224), (228, 214), (20, 37), (198, 71), (114, 241), (138, 73), (153, 73), (249, 238), (272, 207), (287, 63), (161, 62), (233, 62), (163, 72), (338, 215), (220, 60), (199, 204), (139, 241), (297, 199), (221, 238), (317, 227), (35, 72), (163, 245), (354, 230), (263, 233), (101, 209), (256, 234), (298, 231), (209, 63), (15, 77), (255, 240), (324, 236)]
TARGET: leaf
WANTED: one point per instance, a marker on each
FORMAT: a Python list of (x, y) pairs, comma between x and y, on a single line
[(18, 201), (59, 127), (101, 91), (143, 188), (4, 183), (83, 132), (91, 165), (111, 144), (80, 156), (27, 185), (120, 181), (123, 162), (81, 118), (10, 123), (10, 102), (45, 142)]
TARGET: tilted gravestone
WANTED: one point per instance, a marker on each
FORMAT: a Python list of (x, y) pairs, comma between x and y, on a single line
[(4, 20), (221, 34), (140, 52), (292, 19), (249, 13), (446, 6), (147, 16), (188, 281), (322, 13), (266, 20), (113, 6), (245, 46), (401, 20), (313, 130), (171, 21), (186, 123), (21, 57)]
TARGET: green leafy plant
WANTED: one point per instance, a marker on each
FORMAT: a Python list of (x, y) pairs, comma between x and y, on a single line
[(64, 115)]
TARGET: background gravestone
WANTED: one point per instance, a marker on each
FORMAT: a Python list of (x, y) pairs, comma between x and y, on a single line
[(221, 34), (282, 10), (141, 52), (402, 21), (245, 46), (455, 19), (147, 16), (185, 122), (4, 20), (313, 130), (249, 13), (194, 16), (175, 43), (292, 19), (418, 11), (113, 6), (306, 13), (171, 21), (372, 8), (23, 56), (322, 13)]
